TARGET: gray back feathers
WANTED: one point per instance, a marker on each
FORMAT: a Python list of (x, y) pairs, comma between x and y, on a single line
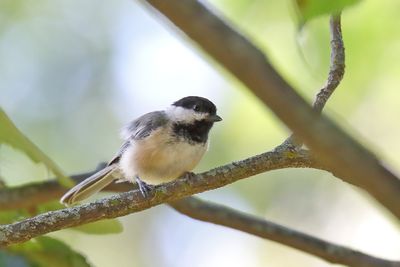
[(144, 125), (139, 129)]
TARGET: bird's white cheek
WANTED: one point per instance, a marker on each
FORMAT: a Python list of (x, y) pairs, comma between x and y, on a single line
[(184, 115)]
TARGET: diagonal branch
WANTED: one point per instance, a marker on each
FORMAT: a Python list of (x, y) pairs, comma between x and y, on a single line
[(222, 215), (34, 194), (130, 202), (331, 145), (37, 193), (228, 217)]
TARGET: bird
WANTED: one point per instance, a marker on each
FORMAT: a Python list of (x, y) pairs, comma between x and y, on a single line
[(158, 147)]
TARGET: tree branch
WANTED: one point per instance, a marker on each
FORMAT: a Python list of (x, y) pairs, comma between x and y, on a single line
[(130, 202), (337, 65), (228, 217), (335, 75), (222, 215), (331, 145)]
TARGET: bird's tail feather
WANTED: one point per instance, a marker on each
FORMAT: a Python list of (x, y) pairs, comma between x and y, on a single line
[(89, 186)]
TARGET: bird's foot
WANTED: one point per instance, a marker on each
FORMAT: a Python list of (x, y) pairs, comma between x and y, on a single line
[(144, 188), (188, 175)]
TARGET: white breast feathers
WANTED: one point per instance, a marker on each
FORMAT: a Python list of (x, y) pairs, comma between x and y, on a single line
[(158, 159)]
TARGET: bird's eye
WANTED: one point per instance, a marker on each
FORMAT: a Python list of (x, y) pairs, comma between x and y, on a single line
[(196, 108)]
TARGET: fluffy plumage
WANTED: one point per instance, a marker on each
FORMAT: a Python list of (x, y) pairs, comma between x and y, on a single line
[(159, 147)]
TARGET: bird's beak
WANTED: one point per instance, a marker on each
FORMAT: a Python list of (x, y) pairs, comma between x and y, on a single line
[(214, 118)]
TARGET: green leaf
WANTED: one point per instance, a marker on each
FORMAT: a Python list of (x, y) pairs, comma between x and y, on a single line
[(49, 206), (11, 216), (8, 259), (9, 134), (109, 226), (312, 8), (47, 252)]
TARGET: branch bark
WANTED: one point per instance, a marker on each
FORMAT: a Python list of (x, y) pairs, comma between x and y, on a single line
[(331, 145), (225, 216), (130, 202), (335, 75), (337, 65)]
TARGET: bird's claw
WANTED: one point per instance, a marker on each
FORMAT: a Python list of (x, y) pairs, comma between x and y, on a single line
[(144, 188), (188, 175)]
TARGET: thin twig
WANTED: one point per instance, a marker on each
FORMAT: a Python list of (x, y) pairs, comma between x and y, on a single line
[(222, 215), (335, 75), (331, 145), (337, 65)]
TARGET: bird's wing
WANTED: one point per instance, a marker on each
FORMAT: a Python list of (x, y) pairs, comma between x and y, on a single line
[(144, 125), (140, 129), (117, 156)]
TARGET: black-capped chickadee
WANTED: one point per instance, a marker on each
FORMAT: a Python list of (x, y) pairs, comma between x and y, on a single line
[(159, 147)]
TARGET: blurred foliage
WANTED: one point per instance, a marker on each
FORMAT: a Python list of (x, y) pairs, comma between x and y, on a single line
[(10, 135), (309, 9), (47, 252), (7, 217), (7, 259)]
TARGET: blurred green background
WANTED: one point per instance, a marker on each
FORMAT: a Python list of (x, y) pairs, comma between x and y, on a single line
[(73, 72)]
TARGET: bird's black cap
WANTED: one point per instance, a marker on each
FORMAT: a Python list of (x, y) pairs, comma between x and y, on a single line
[(197, 103)]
